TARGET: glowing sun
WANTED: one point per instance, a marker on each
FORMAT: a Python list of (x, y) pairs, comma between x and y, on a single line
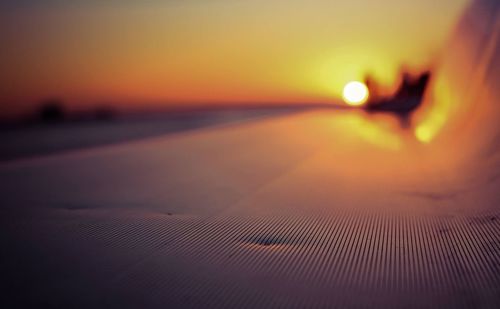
[(355, 93)]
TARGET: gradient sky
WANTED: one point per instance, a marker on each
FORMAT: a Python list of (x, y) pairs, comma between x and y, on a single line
[(149, 53)]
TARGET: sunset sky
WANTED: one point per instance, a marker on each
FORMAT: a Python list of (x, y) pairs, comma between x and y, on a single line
[(154, 53)]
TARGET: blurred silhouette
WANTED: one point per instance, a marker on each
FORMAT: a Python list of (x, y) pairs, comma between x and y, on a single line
[(99, 114), (407, 98), (373, 87), (104, 113), (52, 111)]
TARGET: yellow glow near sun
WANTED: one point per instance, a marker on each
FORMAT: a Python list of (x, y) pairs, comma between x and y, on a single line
[(355, 93)]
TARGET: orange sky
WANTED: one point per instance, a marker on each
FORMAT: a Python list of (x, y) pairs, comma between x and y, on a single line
[(185, 52)]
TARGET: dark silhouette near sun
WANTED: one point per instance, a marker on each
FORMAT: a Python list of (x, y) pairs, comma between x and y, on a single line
[(407, 98)]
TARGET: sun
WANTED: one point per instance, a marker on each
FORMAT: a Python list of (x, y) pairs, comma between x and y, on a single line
[(355, 93)]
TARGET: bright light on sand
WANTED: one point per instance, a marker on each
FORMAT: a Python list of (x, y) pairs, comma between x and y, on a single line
[(355, 93)]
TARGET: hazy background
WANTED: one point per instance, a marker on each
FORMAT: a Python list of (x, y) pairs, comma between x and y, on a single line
[(145, 54)]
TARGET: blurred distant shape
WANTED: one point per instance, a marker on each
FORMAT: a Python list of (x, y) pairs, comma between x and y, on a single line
[(407, 98), (54, 111), (51, 111), (99, 113), (104, 113)]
